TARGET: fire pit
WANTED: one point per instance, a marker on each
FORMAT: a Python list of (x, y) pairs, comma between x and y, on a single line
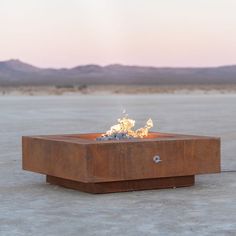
[(95, 163)]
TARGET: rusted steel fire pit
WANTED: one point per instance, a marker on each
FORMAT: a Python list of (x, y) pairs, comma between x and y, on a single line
[(159, 160)]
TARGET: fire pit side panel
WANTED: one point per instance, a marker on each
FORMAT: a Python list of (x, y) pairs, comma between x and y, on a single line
[(205, 153), (136, 160), (56, 158)]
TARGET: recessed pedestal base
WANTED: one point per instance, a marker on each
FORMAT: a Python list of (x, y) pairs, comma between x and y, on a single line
[(123, 186)]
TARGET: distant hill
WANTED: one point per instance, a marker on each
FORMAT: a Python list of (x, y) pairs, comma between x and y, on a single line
[(17, 73)]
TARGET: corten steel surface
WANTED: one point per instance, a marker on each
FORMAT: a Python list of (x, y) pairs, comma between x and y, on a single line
[(161, 160)]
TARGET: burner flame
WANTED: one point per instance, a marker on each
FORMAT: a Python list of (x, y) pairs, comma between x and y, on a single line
[(124, 130)]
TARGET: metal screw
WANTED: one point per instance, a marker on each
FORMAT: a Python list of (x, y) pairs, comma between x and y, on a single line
[(157, 159)]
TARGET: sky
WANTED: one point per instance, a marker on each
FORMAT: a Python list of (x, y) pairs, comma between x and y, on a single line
[(66, 33)]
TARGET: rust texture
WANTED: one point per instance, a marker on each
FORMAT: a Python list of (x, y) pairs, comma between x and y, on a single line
[(80, 162)]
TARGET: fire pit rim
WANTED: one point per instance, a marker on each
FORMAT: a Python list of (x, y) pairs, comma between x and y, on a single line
[(76, 138)]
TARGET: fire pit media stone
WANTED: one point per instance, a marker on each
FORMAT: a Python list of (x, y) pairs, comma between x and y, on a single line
[(122, 159)]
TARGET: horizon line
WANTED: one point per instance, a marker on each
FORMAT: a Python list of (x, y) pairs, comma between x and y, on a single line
[(116, 64)]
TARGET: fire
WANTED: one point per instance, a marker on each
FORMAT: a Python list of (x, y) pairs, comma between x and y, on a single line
[(125, 130)]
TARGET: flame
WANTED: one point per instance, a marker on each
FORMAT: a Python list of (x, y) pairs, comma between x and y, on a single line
[(125, 126)]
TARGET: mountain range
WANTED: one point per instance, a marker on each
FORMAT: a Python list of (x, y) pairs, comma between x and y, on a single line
[(17, 73)]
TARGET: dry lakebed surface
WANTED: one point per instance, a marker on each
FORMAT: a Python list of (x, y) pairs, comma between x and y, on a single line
[(29, 206)]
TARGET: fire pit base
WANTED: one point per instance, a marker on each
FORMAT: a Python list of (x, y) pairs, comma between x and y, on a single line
[(124, 186)]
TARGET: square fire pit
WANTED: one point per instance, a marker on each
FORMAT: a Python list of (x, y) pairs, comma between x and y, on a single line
[(160, 160)]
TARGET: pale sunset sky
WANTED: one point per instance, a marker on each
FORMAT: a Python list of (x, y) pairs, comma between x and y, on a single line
[(66, 33)]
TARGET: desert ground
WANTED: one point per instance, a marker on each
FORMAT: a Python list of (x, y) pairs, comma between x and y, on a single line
[(29, 206), (68, 90)]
